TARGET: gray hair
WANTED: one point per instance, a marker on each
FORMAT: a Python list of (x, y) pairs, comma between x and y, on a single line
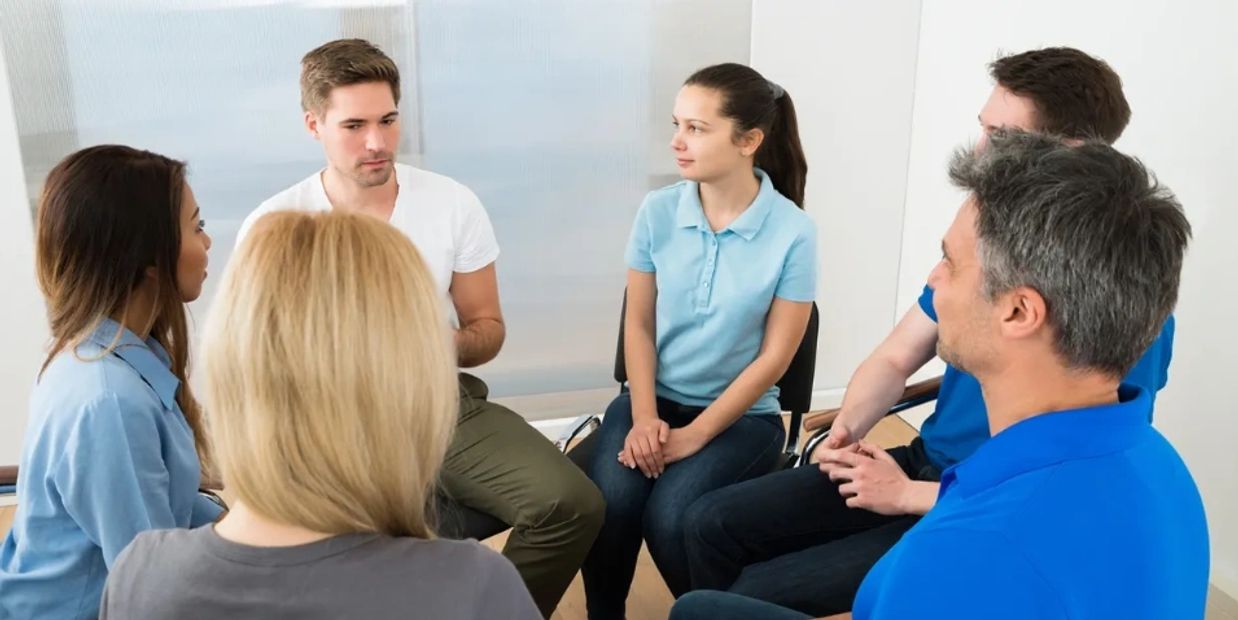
[(1088, 228)]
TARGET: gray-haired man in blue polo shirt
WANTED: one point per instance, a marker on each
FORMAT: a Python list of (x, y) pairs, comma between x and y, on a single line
[(1057, 273)]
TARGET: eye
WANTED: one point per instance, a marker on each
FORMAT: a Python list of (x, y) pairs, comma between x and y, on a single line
[(201, 225)]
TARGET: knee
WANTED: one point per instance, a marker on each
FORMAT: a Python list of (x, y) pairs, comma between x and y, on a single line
[(697, 605), (706, 519), (577, 502)]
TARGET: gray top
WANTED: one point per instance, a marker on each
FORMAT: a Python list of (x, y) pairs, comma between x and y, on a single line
[(187, 574)]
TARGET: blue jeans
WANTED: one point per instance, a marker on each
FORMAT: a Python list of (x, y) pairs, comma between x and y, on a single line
[(714, 605), (804, 548), (653, 509)]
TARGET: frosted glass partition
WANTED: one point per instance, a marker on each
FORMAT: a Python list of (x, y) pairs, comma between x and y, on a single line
[(556, 112)]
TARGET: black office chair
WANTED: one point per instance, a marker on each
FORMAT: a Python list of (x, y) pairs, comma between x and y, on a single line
[(794, 395)]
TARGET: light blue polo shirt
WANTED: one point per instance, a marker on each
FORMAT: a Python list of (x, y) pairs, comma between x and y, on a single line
[(1087, 513), (715, 289), (960, 422), (107, 454)]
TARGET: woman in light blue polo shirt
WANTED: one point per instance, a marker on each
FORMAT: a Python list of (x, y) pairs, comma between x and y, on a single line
[(722, 275), (114, 438)]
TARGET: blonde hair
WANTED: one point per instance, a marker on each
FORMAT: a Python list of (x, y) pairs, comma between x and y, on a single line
[(344, 62), (330, 379)]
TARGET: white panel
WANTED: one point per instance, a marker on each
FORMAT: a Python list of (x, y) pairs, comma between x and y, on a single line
[(21, 313), (850, 68), (1176, 62)]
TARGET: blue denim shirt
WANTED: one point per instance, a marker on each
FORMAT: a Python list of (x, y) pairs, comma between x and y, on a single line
[(107, 454)]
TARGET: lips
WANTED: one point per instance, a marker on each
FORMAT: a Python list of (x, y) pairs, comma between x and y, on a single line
[(683, 162)]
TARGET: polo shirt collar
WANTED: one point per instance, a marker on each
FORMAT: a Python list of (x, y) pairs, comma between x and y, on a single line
[(1048, 439), (690, 213), (148, 358)]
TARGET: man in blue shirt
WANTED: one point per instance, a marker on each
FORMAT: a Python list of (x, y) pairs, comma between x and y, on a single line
[(811, 546), (1076, 507)]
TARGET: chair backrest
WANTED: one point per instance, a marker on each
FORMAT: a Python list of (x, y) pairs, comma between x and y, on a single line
[(795, 386)]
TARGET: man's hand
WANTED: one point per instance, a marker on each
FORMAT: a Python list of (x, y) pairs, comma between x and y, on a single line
[(869, 478), (840, 437)]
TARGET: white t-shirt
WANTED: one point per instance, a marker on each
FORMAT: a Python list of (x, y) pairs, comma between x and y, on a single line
[(443, 218)]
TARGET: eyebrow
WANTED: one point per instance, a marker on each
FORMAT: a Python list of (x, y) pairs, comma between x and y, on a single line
[(689, 120), (197, 212), (389, 115)]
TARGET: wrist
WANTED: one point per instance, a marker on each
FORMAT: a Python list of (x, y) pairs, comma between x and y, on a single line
[(918, 497)]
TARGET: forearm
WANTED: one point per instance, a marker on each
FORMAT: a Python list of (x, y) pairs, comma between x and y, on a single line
[(479, 342), (641, 361), (739, 397), (875, 387)]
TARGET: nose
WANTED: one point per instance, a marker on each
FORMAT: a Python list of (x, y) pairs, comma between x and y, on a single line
[(936, 274), (374, 140), (677, 143), (206, 239)]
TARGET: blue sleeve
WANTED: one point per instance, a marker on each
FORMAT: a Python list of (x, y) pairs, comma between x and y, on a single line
[(204, 511), (112, 478), (639, 253), (962, 575), (798, 281), (926, 303)]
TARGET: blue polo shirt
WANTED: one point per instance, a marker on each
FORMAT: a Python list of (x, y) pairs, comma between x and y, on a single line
[(1087, 513), (107, 454), (715, 288), (960, 422)]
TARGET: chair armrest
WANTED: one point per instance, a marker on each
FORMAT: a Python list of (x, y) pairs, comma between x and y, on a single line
[(914, 394)]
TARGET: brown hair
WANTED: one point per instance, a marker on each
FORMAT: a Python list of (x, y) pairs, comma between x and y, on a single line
[(344, 62), (754, 102), (1076, 96), (108, 214)]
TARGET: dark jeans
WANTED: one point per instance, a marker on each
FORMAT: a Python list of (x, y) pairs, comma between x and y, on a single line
[(638, 507), (804, 548), (714, 605), (500, 465)]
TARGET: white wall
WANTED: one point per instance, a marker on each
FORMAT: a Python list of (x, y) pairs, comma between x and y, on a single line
[(21, 313), (850, 69), (1176, 61)]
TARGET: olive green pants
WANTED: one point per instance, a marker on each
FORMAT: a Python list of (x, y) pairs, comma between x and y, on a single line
[(497, 463)]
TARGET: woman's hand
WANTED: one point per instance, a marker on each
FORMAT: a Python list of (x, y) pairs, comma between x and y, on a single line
[(683, 443), (643, 447)]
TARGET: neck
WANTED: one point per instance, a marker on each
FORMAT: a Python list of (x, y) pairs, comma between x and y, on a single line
[(1017, 394), (729, 196), (242, 525), (346, 195), (137, 314)]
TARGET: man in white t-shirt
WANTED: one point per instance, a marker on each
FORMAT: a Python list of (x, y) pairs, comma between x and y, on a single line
[(497, 463)]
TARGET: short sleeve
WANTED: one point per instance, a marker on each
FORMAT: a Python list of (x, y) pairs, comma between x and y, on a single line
[(926, 303), (639, 252), (960, 574), (798, 281), (476, 245)]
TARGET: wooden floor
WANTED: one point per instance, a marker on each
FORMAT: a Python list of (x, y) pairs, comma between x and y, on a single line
[(650, 600)]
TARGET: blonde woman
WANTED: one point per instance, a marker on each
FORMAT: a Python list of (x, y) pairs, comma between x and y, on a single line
[(331, 386)]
